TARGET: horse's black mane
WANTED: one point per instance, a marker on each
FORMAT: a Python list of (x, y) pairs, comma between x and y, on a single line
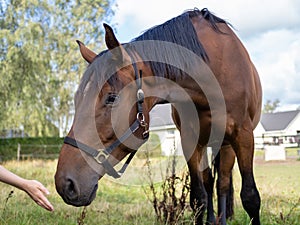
[(180, 31), (211, 18)]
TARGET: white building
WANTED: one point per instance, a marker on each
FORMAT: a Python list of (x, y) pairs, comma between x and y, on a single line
[(281, 128), (161, 123)]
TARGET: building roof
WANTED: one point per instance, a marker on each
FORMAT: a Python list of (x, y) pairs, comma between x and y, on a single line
[(160, 116), (278, 120)]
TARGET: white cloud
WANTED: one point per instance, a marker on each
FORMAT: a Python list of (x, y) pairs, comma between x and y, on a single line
[(249, 17), (146, 14), (151, 12), (258, 16), (276, 55)]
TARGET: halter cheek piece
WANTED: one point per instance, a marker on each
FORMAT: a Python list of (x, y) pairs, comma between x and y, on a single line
[(101, 155)]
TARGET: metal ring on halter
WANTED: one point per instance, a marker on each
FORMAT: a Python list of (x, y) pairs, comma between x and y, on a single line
[(140, 117)]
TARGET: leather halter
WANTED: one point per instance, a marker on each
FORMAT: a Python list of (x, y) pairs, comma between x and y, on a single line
[(101, 155)]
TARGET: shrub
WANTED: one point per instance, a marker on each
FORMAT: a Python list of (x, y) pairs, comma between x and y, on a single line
[(169, 199)]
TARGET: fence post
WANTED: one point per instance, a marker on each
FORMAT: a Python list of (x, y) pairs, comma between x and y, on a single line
[(18, 152)]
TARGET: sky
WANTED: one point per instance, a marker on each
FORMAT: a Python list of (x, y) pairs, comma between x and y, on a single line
[(270, 30)]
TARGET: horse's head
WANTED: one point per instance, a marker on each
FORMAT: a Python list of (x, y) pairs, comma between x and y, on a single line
[(110, 122)]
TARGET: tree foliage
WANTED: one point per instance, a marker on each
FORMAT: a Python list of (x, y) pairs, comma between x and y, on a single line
[(271, 106), (40, 65)]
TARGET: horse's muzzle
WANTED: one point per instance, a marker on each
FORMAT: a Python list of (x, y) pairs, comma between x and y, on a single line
[(75, 181), (72, 194)]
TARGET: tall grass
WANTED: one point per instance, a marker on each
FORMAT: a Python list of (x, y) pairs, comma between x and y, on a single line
[(126, 203)]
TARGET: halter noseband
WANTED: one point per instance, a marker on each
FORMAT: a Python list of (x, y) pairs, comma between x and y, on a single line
[(101, 155)]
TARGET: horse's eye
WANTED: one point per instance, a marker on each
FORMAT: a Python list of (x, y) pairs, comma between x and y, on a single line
[(111, 99)]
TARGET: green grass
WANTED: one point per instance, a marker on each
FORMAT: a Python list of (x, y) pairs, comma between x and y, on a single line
[(120, 203), (290, 152), (279, 187)]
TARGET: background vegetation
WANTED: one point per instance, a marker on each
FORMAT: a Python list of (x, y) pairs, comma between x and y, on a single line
[(30, 145), (40, 147), (40, 65)]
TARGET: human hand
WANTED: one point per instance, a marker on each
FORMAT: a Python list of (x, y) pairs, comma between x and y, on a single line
[(38, 193)]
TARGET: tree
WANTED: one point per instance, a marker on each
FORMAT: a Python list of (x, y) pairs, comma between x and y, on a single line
[(271, 106), (40, 65)]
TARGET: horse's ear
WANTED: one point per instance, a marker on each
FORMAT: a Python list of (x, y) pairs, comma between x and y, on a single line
[(86, 53), (110, 38), (114, 45)]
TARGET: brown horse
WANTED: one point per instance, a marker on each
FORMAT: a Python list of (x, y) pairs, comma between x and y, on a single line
[(196, 63)]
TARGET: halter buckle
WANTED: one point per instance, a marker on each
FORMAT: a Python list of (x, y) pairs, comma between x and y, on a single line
[(101, 157)]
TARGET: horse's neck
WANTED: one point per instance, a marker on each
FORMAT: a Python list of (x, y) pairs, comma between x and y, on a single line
[(163, 90)]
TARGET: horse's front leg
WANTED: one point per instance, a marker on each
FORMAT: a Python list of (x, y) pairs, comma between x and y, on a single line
[(193, 153), (198, 194)]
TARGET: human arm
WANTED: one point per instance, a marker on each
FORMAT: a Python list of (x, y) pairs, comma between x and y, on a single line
[(32, 187)]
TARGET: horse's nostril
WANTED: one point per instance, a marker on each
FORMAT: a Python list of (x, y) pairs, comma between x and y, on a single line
[(71, 190), (70, 186)]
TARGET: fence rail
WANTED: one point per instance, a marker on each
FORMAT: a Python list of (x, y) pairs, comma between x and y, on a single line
[(37, 151)]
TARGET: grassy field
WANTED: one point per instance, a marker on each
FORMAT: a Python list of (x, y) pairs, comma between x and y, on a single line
[(123, 203)]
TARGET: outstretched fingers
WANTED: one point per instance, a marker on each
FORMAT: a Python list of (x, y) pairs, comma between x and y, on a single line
[(38, 192)]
